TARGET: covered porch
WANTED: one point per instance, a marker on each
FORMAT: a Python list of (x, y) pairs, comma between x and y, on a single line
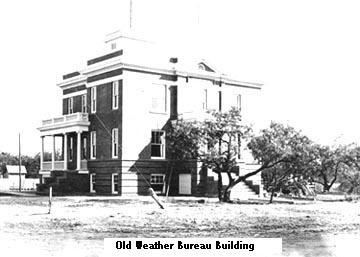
[(64, 143)]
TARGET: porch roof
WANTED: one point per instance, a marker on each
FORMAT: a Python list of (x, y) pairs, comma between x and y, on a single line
[(65, 124)]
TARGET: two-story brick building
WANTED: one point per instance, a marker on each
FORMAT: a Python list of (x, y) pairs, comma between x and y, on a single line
[(110, 138)]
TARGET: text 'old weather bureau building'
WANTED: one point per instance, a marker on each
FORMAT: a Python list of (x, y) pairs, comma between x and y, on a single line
[(110, 138)]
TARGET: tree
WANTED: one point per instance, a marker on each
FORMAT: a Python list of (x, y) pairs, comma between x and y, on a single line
[(328, 163), (32, 164), (213, 141), (283, 153), (350, 176), (289, 177)]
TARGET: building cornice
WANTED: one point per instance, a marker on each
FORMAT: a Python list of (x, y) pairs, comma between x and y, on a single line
[(116, 63), (72, 82)]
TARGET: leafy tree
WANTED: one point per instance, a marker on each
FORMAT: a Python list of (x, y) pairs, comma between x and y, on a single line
[(283, 153), (350, 180), (32, 164), (350, 177), (215, 140), (328, 163)]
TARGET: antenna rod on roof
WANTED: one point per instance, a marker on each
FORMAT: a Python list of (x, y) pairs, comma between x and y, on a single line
[(130, 14), (19, 164)]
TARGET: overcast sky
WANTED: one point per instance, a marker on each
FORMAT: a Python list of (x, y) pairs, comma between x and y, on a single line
[(306, 53)]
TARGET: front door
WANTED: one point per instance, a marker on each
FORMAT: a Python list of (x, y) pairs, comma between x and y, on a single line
[(185, 184)]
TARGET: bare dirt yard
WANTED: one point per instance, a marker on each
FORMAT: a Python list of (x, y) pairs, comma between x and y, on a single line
[(78, 225)]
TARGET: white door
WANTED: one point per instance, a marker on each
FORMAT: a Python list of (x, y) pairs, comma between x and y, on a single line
[(185, 184)]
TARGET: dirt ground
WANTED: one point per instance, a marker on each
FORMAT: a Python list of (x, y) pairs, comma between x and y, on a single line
[(78, 225)]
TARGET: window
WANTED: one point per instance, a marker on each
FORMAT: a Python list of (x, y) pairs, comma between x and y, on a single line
[(92, 182), (93, 144), (84, 149), (238, 150), (114, 183), (114, 144), (158, 144), (205, 99), (83, 104), (157, 182), (71, 148), (115, 95), (70, 105), (238, 102), (113, 46), (158, 99), (93, 99)]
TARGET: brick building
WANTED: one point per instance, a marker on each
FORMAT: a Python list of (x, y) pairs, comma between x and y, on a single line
[(110, 138)]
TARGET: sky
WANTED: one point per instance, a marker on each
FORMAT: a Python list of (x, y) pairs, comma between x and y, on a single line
[(306, 53)]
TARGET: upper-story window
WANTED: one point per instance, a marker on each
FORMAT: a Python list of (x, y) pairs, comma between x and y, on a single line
[(114, 144), (70, 105), (158, 144), (115, 95), (205, 99), (238, 102), (93, 99), (83, 103), (158, 98), (113, 45), (93, 144)]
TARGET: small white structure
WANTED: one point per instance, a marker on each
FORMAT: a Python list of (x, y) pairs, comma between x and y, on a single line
[(10, 180)]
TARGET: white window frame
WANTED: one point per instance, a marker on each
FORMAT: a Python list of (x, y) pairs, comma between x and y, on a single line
[(238, 101), (93, 99), (205, 99), (93, 145), (92, 182), (164, 104), (113, 175), (115, 143), (84, 103), (157, 175), (162, 144), (84, 149), (154, 182), (71, 148), (70, 105), (115, 95)]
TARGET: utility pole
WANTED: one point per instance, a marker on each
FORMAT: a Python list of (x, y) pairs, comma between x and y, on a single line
[(19, 164)]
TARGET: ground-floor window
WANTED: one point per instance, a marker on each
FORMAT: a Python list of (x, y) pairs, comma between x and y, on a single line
[(84, 148), (157, 182), (114, 183), (92, 182)]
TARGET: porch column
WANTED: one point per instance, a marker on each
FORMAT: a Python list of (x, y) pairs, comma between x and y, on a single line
[(42, 153), (65, 152), (78, 156), (53, 153)]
